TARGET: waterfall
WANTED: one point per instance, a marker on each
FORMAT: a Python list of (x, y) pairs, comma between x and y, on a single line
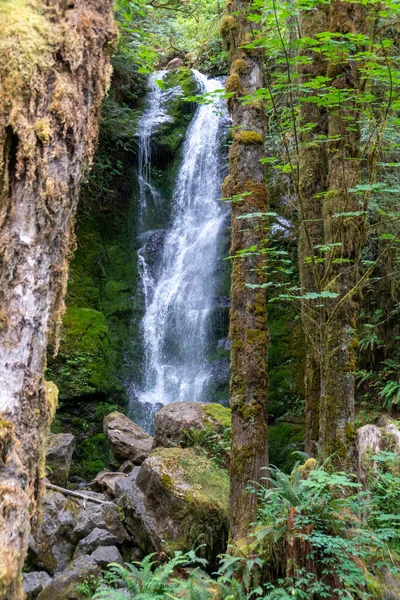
[(180, 292)]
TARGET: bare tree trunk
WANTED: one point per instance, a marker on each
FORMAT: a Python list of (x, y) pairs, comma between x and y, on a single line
[(313, 172), (337, 432), (54, 71), (248, 317)]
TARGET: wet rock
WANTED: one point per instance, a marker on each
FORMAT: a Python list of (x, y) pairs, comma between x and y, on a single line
[(51, 545), (59, 450), (97, 537), (104, 555), (127, 440), (106, 481), (65, 586), (99, 516), (175, 63), (177, 497), (34, 583), (174, 419)]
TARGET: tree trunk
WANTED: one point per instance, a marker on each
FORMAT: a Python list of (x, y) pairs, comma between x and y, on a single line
[(337, 432), (55, 69), (313, 172), (248, 316)]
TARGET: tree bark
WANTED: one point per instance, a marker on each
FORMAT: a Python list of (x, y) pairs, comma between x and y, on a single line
[(248, 316), (54, 71), (313, 172), (339, 348)]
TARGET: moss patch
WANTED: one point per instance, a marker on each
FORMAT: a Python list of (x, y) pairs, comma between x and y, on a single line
[(219, 413)]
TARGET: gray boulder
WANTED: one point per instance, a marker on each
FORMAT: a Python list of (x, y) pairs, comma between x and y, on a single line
[(33, 583), (175, 63), (127, 440), (174, 419), (104, 555), (59, 451), (96, 538), (51, 545), (175, 500), (99, 516), (65, 586), (106, 480)]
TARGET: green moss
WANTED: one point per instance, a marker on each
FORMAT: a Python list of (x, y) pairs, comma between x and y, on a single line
[(81, 367), (283, 440), (219, 413), (228, 26), (248, 137), (90, 457)]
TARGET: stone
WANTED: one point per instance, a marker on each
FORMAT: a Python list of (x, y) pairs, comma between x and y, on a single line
[(104, 555), (51, 545), (126, 467), (127, 440), (174, 419), (371, 440), (177, 499), (97, 537), (175, 63), (99, 516), (59, 451), (34, 583), (106, 480), (65, 586)]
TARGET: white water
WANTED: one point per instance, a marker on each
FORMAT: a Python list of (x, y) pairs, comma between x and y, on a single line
[(179, 296)]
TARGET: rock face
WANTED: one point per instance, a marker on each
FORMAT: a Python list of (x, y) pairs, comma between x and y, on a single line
[(175, 63), (34, 583), (372, 440), (59, 450), (127, 440), (179, 498), (65, 586), (173, 420), (104, 555), (96, 538), (100, 516)]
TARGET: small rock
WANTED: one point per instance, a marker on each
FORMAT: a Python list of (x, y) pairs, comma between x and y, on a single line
[(100, 516), (59, 450), (34, 583), (96, 538), (175, 63), (126, 467), (65, 586), (126, 439), (105, 555), (106, 480)]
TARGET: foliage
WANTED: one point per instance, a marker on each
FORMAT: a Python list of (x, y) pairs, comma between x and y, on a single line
[(214, 444)]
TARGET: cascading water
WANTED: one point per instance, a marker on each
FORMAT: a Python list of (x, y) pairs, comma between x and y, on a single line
[(179, 294)]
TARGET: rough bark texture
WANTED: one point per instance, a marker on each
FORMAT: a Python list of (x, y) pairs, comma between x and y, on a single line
[(54, 71), (337, 432), (248, 317), (313, 172)]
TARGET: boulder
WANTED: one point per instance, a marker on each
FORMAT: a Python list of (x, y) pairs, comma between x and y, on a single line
[(51, 545), (174, 419), (59, 450), (371, 440), (127, 440), (99, 516), (104, 555), (106, 481), (65, 586), (177, 499), (175, 63), (96, 538), (126, 467), (34, 583)]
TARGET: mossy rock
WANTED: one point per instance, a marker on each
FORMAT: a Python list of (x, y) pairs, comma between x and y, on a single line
[(180, 499), (82, 366), (170, 135)]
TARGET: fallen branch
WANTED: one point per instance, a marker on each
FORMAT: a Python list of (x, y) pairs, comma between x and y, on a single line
[(66, 492)]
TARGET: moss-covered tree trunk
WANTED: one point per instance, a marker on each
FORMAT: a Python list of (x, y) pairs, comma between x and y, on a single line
[(346, 233), (248, 317), (54, 71), (313, 171)]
